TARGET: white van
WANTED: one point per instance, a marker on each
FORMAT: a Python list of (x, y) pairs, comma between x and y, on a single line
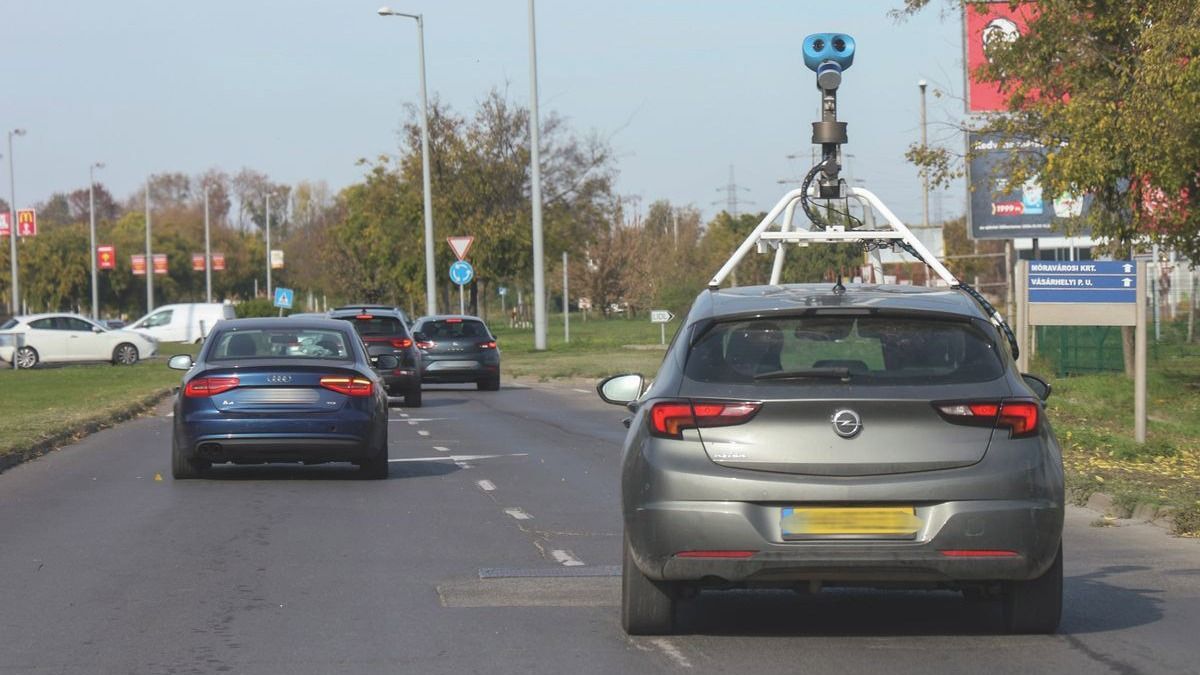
[(183, 323)]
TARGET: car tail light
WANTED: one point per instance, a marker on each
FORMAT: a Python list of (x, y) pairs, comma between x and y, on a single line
[(350, 386), (453, 320), (426, 344), (402, 343), (365, 317), (1018, 416), (490, 344), (668, 419), (715, 554), (202, 387)]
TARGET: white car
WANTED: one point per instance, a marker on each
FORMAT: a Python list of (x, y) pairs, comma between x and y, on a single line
[(63, 338), (188, 322)]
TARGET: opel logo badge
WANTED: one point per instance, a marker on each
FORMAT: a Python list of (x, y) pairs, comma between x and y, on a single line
[(846, 423)]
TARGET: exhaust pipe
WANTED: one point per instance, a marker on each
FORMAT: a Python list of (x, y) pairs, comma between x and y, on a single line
[(210, 449)]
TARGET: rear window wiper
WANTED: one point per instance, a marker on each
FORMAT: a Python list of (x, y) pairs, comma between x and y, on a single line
[(826, 373)]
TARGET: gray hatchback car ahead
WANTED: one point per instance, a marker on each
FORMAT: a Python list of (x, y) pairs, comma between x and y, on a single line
[(806, 435)]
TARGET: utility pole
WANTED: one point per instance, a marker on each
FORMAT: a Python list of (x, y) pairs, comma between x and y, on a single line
[(566, 304), (539, 262), (92, 220), (269, 244), (731, 191), (149, 257), (12, 229), (207, 252), (924, 173)]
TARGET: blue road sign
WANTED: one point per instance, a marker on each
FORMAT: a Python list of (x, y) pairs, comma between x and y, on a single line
[(283, 297), (1083, 281), (461, 272)]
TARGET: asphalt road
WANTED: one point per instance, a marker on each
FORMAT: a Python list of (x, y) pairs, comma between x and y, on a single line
[(492, 548)]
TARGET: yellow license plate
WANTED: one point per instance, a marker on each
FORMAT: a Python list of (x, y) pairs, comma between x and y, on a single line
[(849, 521)]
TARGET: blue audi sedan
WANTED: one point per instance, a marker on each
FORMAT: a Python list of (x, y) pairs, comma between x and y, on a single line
[(280, 390)]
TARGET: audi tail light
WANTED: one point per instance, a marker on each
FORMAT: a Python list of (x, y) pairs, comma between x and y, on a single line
[(202, 387), (668, 419), (350, 386), (1020, 417), (402, 343)]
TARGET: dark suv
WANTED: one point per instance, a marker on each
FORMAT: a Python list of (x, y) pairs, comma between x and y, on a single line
[(458, 349), (385, 331)]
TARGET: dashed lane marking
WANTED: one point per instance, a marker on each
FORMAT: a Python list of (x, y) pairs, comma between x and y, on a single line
[(423, 432), (440, 448), (582, 391), (565, 558), (518, 513), (672, 652), (455, 458), (486, 485)]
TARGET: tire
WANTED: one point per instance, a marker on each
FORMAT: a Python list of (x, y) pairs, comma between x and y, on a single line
[(647, 606), (184, 466), (27, 357), (490, 384), (125, 354), (413, 398), (376, 468), (1035, 606)]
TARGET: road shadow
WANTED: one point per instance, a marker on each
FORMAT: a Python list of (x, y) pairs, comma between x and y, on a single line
[(325, 472), (440, 402), (1091, 604)]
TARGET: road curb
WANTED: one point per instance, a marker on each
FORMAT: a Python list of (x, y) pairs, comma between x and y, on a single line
[(1145, 512), (23, 454)]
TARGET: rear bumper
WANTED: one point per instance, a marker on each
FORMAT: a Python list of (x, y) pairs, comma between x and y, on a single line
[(463, 370), (281, 448), (1031, 529), (348, 436)]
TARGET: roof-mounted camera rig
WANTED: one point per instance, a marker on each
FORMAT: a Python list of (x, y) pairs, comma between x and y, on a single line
[(829, 55)]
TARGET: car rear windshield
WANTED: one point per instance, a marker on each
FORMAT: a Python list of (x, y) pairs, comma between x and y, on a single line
[(865, 349), (449, 329), (375, 324), (11, 323), (280, 343)]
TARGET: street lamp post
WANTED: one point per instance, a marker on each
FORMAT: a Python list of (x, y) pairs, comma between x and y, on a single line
[(539, 271), (12, 226), (924, 172), (92, 220), (207, 253), (149, 257), (430, 282), (269, 245)]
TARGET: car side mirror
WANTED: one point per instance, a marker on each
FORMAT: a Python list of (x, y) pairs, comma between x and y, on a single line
[(385, 362), (97, 329), (420, 337), (180, 362), (1039, 386), (621, 389)]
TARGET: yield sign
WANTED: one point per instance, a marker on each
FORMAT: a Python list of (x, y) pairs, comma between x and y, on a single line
[(460, 245)]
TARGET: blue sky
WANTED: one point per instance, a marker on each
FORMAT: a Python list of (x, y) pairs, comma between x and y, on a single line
[(301, 89)]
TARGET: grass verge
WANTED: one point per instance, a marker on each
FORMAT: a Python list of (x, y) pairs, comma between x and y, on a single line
[(598, 348), (48, 405)]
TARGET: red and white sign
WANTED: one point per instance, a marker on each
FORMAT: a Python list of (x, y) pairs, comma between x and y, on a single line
[(460, 245), (5, 224), (989, 23), (160, 263), (218, 262), (138, 264), (106, 257), (197, 262), (26, 223)]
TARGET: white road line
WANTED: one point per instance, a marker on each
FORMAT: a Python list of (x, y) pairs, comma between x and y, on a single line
[(404, 414), (566, 558), (518, 513), (414, 420), (441, 448), (486, 485), (423, 432), (667, 647), (582, 391), (411, 423), (454, 458), (171, 414), (464, 465)]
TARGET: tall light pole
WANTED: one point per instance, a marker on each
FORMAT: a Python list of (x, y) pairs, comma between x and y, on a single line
[(92, 219), (149, 257), (924, 172), (539, 269), (12, 226), (207, 253), (430, 282)]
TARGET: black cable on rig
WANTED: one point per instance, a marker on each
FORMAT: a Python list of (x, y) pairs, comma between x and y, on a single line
[(992, 312), (812, 214)]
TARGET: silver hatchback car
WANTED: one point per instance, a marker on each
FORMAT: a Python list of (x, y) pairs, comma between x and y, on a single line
[(799, 436)]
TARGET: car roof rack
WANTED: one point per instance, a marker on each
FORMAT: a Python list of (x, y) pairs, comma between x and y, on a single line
[(829, 55)]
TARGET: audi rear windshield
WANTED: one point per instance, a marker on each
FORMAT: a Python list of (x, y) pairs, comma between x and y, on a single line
[(280, 343), (855, 349), (375, 324)]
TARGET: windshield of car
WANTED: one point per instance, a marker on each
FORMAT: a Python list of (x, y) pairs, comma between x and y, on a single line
[(11, 323), (859, 349), (449, 329), (375, 324), (272, 343)]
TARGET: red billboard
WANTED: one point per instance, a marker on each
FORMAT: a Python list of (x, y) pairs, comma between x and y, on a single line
[(986, 24), (138, 264), (160, 263), (218, 262), (106, 257), (5, 224), (197, 262), (26, 223)]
